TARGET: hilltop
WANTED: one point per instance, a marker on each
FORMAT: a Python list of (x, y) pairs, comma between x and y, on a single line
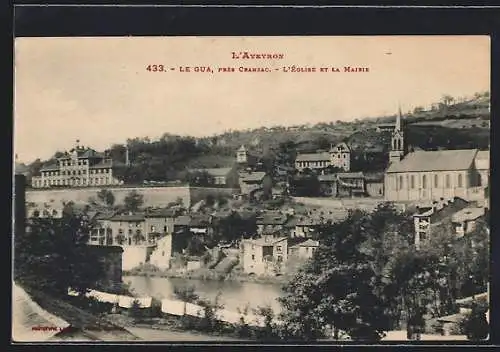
[(452, 123)]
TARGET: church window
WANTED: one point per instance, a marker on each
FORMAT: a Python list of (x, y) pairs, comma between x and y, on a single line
[(436, 181), (424, 181), (401, 185), (460, 180), (447, 181), (412, 181)]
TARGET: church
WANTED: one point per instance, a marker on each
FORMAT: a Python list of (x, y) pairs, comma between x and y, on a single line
[(428, 176)]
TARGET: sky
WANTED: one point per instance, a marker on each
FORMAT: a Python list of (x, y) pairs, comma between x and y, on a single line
[(97, 90)]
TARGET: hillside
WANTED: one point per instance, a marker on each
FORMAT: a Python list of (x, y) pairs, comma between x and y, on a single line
[(453, 123)]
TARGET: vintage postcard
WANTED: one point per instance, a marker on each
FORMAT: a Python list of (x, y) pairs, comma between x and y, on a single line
[(256, 189)]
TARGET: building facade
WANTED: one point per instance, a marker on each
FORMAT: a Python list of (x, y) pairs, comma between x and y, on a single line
[(339, 156), (81, 167), (264, 256), (432, 175)]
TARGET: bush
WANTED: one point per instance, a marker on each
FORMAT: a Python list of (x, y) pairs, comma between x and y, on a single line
[(476, 326)]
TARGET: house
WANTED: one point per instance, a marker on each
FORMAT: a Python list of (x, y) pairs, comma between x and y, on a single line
[(120, 229), (385, 127), (374, 185), (80, 167), (271, 222), (264, 256), (166, 246), (159, 222), (343, 184), (465, 220), (303, 250), (222, 176), (430, 175), (339, 156), (428, 216), (251, 181), (242, 155)]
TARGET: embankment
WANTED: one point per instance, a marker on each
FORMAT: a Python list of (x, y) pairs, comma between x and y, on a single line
[(153, 196)]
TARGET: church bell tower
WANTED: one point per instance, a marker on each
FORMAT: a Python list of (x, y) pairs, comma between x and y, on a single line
[(397, 150)]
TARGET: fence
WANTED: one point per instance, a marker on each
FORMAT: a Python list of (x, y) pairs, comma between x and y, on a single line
[(176, 307)]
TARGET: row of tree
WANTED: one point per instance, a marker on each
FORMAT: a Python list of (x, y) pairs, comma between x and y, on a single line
[(367, 278)]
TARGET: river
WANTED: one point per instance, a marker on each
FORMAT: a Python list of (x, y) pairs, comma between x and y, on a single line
[(234, 295)]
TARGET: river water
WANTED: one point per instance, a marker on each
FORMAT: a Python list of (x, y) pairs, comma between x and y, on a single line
[(234, 295)]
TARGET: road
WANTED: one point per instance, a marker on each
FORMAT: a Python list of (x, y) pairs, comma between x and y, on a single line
[(174, 336)]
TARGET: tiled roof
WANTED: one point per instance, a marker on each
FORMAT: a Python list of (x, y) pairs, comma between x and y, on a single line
[(467, 214), (266, 241), (439, 160), (323, 156), (221, 171), (307, 243), (271, 219), (161, 213), (183, 220), (50, 167), (252, 177), (350, 174), (104, 164), (128, 217)]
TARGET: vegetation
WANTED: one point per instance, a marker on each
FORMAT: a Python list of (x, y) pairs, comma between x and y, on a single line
[(366, 277), (52, 255), (476, 326), (133, 201), (106, 197)]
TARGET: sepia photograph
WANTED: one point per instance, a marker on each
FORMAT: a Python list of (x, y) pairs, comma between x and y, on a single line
[(251, 189)]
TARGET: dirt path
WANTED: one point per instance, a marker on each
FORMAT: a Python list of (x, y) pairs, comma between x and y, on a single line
[(174, 336)]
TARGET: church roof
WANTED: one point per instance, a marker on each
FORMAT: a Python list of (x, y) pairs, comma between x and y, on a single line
[(438, 160)]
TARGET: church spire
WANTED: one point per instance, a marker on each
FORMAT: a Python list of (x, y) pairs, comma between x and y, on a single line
[(398, 119)]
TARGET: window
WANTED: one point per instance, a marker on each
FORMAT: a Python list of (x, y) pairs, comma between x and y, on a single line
[(253, 256), (163, 253), (279, 258), (460, 180), (401, 186), (447, 181), (165, 229), (152, 229), (279, 249), (424, 181), (412, 181), (436, 181)]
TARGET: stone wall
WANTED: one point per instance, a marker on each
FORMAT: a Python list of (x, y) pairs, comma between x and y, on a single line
[(153, 196), (133, 256)]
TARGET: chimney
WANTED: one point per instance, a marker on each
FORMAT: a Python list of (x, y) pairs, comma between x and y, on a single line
[(19, 204), (127, 157)]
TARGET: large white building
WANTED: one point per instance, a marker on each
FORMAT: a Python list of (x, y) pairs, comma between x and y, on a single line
[(432, 175), (80, 167), (338, 156)]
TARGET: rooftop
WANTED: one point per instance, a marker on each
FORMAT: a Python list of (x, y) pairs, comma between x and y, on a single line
[(306, 243), (439, 160), (220, 171), (135, 217), (252, 176), (323, 156), (271, 219), (266, 241), (467, 214)]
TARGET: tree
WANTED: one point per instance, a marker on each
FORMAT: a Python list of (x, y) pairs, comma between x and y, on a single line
[(345, 283), (53, 255), (476, 325), (133, 201), (106, 197)]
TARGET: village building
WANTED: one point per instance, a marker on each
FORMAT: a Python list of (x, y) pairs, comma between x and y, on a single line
[(303, 250), (465, 220), (271, 222), (44, 210), (80, 167), (428, 217), (343, 184), (374, 185), (339, 156), (166, 246), (430, 175), (222, 176), (264, 256), (252, 181), (242, 155)]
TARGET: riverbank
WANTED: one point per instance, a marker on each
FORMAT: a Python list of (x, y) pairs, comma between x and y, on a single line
[(207, 274)]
